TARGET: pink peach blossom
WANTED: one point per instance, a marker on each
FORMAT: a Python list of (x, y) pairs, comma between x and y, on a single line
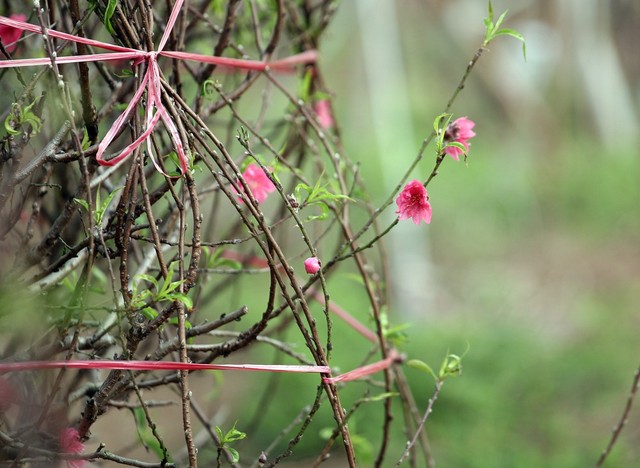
[(258, 182), (10, 35), (413, 202), (312, 265), (70, 443), (323, 113), (460, 130)]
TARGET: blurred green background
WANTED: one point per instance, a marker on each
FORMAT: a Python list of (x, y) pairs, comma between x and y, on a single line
[(531, 261), (532, 258)]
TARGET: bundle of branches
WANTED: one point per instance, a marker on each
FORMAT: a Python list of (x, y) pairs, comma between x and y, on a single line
[(134, 254), (151, 193)]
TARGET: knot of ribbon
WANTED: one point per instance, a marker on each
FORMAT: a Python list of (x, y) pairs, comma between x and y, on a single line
[(151, 82)]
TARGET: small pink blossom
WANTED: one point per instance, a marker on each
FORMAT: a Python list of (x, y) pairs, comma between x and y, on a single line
[(323, 113), (10, 35), (460, 130), (312, 265), (258, 182), (413, 202), (70, 443)]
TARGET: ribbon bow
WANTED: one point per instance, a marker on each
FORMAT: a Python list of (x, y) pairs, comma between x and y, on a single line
[(151, 81)]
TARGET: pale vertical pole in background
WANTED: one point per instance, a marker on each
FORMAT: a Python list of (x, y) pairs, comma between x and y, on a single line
[(408, 245), (600, 69)]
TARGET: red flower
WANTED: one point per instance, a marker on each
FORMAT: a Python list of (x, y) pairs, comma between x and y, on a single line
[(70, 443), (413, 202), (460, 131), (258, 182), (10, 35), (312, 265)]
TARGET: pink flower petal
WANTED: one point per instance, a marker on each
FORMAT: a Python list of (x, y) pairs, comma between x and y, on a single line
[(10, 34), (413, 202), (70, 443), (258, 182), (460, 131)]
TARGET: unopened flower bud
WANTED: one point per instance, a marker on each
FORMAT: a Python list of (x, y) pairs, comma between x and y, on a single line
[(312, 265)]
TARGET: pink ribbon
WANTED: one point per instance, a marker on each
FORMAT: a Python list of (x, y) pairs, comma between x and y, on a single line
[(191, 366), (156, 365), (150, 82), (363, 371)]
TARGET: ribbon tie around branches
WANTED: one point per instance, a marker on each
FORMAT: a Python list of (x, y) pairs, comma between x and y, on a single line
[(151, 81)]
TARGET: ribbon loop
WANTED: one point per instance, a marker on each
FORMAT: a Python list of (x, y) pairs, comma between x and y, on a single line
[(155, 110)]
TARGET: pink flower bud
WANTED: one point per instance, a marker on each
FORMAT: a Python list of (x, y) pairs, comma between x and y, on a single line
[(312, 265)]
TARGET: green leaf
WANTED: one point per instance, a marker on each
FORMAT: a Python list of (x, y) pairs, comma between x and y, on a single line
[(234, 435), (451, 366), (173, 156), (440, 125), (19, 116), (458, 145), (323, 215), (231, 436), (235, 456), (422, 366), (208, 88), (149, 312), (85, 140), (318, 195), (31, 118), (305, 85), (82, 203), (493, 30), (125, 73), (7, 125), (108, 14), (99, 214), (148, 279), (437, 122), (515, 34), (145, 435), (186, 300), (500, 20)]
